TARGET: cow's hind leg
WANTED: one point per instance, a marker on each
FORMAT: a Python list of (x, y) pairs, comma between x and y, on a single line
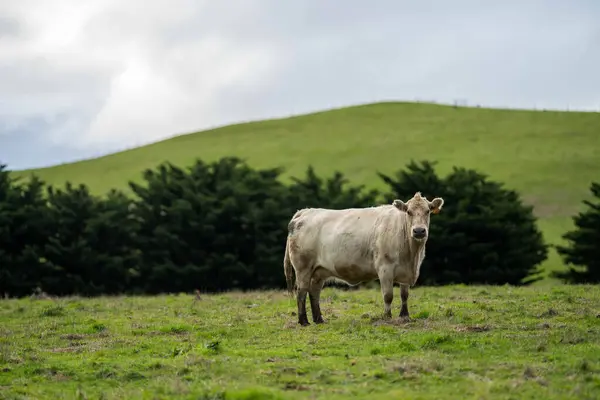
[(404, 296), (303, 283), (316, 285), (301, 299)]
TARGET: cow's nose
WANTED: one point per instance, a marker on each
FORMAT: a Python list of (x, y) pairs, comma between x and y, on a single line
[(419, 232)]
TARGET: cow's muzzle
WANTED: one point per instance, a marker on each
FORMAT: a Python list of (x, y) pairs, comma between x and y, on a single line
[(419, 233)]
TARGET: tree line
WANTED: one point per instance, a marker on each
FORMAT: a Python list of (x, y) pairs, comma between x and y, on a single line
[(222, 225)]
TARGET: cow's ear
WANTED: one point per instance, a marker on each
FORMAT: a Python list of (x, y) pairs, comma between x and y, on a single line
[(436, 205), (400, 205)]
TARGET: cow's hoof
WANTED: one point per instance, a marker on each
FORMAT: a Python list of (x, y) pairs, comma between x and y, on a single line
[(387, 315), (303, 321), (320, 321), (405, 318)]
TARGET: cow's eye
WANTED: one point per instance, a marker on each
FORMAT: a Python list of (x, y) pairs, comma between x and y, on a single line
[(410, 213)]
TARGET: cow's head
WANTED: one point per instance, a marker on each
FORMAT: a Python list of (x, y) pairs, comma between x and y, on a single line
[(418, 210)]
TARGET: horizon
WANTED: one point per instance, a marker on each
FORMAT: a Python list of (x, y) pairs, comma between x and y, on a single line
[(310, 112)]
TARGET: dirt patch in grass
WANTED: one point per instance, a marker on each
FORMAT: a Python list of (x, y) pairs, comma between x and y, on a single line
[(473, 328), (549, 313), (73, 336), (291, 325), (296, 386), (70, 349), (412, 368)]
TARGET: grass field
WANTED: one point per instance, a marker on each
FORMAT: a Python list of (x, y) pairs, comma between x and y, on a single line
[(549, 157), (463, 342)]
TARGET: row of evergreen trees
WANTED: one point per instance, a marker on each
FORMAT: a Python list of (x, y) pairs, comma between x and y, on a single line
[(222, 225)]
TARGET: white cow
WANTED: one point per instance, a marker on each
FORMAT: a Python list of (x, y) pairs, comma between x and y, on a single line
[(356, 245)]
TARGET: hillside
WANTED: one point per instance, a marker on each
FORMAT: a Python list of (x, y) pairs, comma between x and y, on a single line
[(549, 157)]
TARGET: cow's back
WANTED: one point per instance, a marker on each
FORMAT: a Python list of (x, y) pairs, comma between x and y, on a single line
[(341, 241)]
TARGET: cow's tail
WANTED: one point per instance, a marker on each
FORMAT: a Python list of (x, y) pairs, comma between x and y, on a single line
[(288, 268)]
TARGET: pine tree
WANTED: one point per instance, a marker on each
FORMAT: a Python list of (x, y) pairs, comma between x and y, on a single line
[(24, 229), (67, 250), (111, 233), (484, 233), (212, 226), (334, 192), (583, 243), (91, 248)]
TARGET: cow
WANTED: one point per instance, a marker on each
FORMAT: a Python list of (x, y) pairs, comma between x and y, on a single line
[(354, 245)]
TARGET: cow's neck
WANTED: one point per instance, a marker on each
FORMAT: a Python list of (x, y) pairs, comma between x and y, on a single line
[(417, 252), (416, 248)]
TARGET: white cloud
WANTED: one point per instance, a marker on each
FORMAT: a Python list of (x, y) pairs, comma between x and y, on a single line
[(109, 74), (150, 100), (137, 84)]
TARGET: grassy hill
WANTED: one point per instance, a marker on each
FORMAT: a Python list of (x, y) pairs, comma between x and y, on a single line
[(463, 343), (549, 157)]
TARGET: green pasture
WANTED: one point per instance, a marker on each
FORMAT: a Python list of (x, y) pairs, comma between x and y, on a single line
[(462, 343)]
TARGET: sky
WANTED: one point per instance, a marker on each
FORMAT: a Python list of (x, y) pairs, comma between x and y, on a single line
[(80, 79)]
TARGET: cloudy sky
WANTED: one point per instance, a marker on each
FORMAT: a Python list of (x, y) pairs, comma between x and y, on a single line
[(83, 78)]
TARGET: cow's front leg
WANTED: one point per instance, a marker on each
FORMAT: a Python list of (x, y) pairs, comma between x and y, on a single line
[(387, 290), (314, 294), (404, 296)]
